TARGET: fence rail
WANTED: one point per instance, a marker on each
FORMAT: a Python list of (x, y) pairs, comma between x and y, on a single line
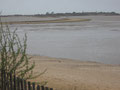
[(11, 82)]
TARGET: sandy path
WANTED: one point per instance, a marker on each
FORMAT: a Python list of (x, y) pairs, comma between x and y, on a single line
[(66, 74)]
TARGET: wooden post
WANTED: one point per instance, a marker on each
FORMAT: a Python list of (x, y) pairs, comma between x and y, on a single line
[(46, 88), (14, 80), (25, 85), (2, 80), (18, 84), (38, 87), (29, 86), (21, 84), (51, 88), (33, 86), (11, 83), (8, 81), (42, 87)]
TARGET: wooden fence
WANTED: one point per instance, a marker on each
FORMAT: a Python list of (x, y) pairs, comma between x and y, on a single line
[(11, 82)]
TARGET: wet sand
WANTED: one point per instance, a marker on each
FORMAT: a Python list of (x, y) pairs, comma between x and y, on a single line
[(68, 74), (58, 20)]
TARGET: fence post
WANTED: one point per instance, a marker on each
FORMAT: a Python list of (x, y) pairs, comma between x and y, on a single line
[(18, 83), (21, 84), (46, 88), (25, 85), (38, 87), (14, 80), (33, 86), (8, 81), (2, 80), (11, 84), (42, 87), (29, 86), (51, 88)]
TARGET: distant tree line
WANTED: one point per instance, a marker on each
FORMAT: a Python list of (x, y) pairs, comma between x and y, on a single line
[(52, 14), (77, 14)]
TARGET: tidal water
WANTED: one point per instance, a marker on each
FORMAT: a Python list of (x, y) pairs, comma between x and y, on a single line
[(96, 40)]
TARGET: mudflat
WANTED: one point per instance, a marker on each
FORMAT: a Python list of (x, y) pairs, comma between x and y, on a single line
[(68, 74), (39, 21)]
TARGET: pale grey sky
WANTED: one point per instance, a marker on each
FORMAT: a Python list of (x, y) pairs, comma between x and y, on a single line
[(43, 6)]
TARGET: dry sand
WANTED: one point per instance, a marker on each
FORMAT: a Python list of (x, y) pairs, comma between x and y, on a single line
[(67, 74)]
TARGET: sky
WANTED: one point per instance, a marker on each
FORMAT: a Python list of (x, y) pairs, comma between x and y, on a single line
[(9, 7)]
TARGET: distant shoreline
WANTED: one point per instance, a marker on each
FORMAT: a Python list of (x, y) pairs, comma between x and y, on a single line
[(53, 14)]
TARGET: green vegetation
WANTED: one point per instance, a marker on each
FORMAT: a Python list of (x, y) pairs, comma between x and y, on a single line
[(13, 57)]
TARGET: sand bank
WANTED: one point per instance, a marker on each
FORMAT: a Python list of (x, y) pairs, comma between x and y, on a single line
[(62, 20), (67, 74)]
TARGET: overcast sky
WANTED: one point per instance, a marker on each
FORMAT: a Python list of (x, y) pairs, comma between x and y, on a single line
[(57, 6)]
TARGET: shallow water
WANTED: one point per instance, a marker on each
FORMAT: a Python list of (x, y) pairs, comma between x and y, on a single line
[(95, 40)]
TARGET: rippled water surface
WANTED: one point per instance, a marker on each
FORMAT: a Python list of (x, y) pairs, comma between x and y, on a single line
[(95, 40)]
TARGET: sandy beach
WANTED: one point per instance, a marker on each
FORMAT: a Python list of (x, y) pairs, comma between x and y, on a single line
[(67, 74)]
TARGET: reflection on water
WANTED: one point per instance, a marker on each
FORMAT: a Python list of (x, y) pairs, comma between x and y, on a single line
[(96, 40)]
